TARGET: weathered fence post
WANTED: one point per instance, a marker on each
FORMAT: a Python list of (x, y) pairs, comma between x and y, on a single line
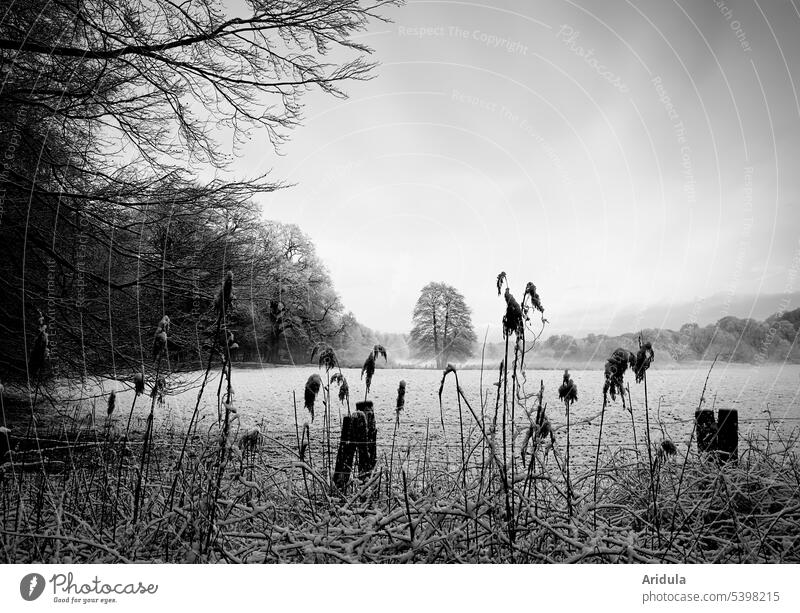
[(345, 454), (358, 443), (368, 451), (706, 430), (728, 435), (5, 445)]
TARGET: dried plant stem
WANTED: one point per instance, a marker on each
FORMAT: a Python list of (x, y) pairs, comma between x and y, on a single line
[(686, 459), (121, 458), (597, 459), (653, 493), (296, 424), (425, 454), (196, 411), (408, 509), (391, 457), (513, 418), (463, 451), (329, 472), (509, 510), (567, 403), (146, 444), (633, 421)]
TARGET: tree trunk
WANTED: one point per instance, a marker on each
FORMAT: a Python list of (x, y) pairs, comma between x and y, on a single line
[(436, 341), (444, 339)]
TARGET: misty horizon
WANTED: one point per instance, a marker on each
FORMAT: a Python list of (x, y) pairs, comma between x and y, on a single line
[(702, 311), (628, 165)]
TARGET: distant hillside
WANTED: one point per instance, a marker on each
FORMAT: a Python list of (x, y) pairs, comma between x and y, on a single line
[(734, 339), (616, 319)]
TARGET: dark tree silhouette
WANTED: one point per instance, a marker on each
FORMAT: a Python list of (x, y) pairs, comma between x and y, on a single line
[(295, 303), (110, 112)]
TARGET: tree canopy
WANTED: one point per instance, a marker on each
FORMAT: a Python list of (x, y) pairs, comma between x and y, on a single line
[(113, 114), (442, 325)]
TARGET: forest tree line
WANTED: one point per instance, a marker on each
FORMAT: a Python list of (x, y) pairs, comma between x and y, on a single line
[(732, 338), (120, 122)]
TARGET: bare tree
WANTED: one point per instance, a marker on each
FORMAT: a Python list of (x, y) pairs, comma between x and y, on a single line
[(442, 324), (109, 112), (295, 303)]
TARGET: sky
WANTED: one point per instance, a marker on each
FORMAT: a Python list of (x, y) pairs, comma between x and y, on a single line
[(636, 160)]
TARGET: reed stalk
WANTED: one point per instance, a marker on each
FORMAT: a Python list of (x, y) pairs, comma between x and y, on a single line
[(597, 461)]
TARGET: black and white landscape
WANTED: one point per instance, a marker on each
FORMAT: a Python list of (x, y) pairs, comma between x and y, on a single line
[(383, 282)]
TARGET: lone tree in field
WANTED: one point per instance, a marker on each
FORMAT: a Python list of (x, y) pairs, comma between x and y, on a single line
[(442, 324)]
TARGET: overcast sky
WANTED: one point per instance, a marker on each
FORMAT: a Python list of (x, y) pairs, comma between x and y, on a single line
[(632, 159)]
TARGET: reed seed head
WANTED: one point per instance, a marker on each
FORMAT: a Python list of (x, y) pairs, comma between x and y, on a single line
[(344, 389), (401, 396), (369, 364), (568, 391), (644, 357), (513, 320), (536, 302), (160, 338), (615, 368), (327, 356), (138, 383), (313, 386), (501, 278), (380, 350), (225, 297)]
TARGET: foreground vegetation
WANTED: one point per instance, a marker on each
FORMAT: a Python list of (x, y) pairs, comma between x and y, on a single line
[(271, 506)]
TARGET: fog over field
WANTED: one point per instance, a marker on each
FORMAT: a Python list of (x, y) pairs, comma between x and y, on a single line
[(499, 138)]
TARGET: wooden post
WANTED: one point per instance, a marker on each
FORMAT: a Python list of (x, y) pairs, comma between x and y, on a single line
[(359, 434), (706, 430), (368, 449), (5, 446), (345, 455), (728, 435), (358, 444)]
